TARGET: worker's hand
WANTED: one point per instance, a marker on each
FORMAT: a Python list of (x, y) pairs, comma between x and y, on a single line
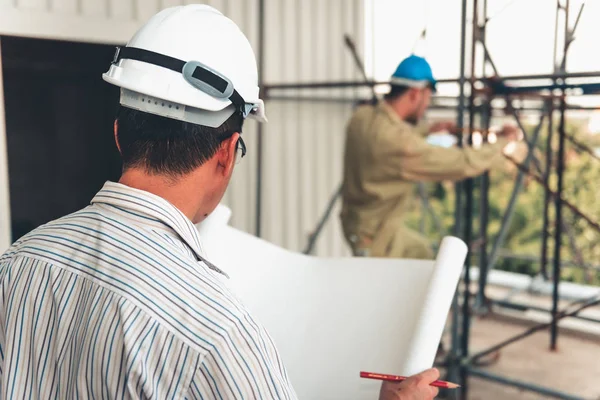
[(417, 387), (510, 132), (442, 126)]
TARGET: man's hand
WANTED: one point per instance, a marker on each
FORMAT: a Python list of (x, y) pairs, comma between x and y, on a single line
[(417, 387), (443, 126)]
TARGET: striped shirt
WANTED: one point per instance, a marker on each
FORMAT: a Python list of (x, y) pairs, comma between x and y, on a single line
[(116, 302)]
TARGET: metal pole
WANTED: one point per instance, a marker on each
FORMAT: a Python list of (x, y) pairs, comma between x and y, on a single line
[(260, 129), (480, 301), (510, 209), (527, 307), (547, 196), (576, 211), (455, 328), (530, 143), (560, 166), (570, 33), (554, 64), (357, 84), (581, 146), (591, 302), (587, 273), (468, 219), (359, 63), (312, 239)]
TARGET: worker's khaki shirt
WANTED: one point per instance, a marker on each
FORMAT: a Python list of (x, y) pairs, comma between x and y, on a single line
[(384, 157)]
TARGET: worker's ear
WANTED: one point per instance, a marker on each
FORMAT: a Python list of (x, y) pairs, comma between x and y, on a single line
[(115, 132), (226, 155)]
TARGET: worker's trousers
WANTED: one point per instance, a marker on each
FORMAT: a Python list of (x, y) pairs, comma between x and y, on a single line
[(399, 242)]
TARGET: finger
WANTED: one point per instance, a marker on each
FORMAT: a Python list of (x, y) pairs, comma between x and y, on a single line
[(434, 391), (430, 375), (391, 386)]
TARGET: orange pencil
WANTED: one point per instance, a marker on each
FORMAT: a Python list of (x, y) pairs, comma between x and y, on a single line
[(394, 378)]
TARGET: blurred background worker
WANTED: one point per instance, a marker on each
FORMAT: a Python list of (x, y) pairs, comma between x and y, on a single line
[(387, 152)]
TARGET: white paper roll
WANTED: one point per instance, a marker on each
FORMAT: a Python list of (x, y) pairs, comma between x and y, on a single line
[(434, 312), (334, 317)]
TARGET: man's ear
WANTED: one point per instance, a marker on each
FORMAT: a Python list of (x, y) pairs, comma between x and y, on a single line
[(115, 132), (226, 155)]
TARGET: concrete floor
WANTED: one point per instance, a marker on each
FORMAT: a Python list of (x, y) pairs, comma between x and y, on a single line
[(574, 368)]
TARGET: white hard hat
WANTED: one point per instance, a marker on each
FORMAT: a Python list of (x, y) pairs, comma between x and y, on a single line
[(189, 63)]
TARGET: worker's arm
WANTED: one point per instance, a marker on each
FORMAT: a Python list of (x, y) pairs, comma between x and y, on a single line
[(408, 156), (425, 129)]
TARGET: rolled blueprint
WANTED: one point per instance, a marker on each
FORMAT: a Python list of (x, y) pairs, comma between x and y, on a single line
[(436, 305), (334, 317)]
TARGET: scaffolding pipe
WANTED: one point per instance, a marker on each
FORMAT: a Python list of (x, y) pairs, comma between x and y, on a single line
[(455, 327), (547, 196), (563, 314), (528, 307), (260, 128), (530, 144), (510, 210), (569, 33), (575, 250), (357, 84), (581, 146), (468, 219), (481, 373), (560, 167), (312, 239), (556, 195), (480, 301), (449, 100)]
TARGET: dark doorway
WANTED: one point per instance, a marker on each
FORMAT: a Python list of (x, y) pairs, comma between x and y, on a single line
[(59, 117)]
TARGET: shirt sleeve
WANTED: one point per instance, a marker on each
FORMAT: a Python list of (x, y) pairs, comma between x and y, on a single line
[(422, 129), (408, 156), (245, 365)]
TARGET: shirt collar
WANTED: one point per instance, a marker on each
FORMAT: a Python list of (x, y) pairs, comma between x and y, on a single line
[(155, 208), (384, 107), (389, 111)]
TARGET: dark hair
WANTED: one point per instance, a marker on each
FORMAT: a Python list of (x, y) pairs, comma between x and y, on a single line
[(167, 146), (395, 92)]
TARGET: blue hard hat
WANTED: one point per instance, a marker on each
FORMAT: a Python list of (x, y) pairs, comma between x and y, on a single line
[(414, 71)]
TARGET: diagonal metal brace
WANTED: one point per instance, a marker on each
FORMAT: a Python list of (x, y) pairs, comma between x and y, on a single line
[(507, 218)]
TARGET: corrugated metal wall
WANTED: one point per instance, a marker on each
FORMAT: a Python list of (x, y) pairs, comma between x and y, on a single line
[(303, 140), (105, 21)]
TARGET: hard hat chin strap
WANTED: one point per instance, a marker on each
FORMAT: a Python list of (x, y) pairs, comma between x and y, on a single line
[(195, 73)]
